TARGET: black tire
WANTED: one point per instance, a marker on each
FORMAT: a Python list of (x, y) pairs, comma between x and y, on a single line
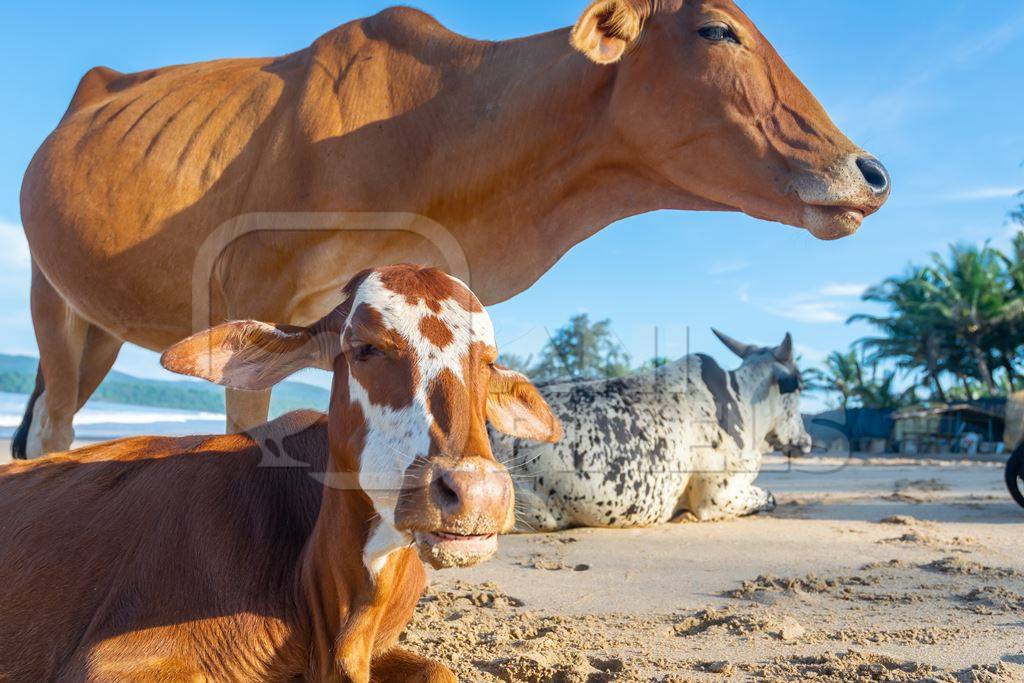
[(1015, 475)]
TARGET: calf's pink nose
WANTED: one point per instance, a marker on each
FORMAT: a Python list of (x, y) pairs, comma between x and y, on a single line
[(479, 491)]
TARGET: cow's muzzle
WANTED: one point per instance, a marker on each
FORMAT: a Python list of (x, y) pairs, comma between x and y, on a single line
[(462, 507), (836, 202)]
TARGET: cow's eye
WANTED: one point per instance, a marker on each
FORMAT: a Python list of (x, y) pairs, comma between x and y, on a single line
[(718, 33), (790, 384), (366, 352)]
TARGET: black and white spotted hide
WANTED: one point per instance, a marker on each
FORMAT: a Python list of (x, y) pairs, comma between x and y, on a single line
[(644, 449)]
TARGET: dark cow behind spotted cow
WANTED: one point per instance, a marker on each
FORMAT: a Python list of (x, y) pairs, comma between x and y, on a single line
[(641, 450)]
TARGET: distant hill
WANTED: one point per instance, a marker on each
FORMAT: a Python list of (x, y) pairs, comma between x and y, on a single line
[(18, 375)]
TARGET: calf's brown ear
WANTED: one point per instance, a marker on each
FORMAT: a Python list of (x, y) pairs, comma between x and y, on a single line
[(247, 354), (607, 27), (514, 407)]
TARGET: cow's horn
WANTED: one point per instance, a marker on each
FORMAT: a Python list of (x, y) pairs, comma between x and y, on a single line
[(784, 351), (740, 349)]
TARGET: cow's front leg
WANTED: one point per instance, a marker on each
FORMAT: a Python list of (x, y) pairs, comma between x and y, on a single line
[(753, 500), (727, 496), (399, 665)]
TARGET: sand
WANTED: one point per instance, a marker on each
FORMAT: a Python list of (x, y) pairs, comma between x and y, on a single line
[(873, 570), (870, 570)]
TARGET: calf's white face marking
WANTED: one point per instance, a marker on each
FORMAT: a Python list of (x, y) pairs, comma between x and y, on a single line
[(412, 351), (395, 437)]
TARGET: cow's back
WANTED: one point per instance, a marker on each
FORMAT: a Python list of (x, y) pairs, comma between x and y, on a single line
[(147, 534), (158, 138), (627, 451), (151, 171)]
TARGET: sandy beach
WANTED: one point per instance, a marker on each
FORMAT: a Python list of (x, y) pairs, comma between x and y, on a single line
[(876, 570), (869, 570)]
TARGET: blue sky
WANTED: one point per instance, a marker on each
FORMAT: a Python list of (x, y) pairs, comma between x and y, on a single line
[(934, 89)]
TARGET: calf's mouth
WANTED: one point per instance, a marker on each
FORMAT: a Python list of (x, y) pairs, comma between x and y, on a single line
[(444, 549)]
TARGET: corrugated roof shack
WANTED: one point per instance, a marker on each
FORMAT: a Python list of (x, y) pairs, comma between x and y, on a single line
[(942, 428), (862, 430)]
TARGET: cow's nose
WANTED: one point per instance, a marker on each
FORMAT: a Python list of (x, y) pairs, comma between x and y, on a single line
[(471, 491), (875, 174)]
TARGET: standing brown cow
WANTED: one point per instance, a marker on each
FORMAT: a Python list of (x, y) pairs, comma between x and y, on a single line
[(168, 191)]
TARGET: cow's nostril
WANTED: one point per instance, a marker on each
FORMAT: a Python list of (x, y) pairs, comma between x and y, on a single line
[(874, 173), (445, 495)]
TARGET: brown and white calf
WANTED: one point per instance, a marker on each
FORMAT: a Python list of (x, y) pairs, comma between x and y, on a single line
[(291, 552)]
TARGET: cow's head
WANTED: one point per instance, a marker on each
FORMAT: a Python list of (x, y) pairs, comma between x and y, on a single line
[(707, 104), (778, 383), (415, 380)]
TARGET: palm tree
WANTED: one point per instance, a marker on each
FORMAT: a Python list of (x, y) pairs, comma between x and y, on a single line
[(881, 392), (912, 335), (959, 316), (841, 374), (1014, 262), (969, 292), (1008, 337), (1017, 215)]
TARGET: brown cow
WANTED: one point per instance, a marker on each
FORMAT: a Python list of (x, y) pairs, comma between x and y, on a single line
[(290, 552), (410, 143)]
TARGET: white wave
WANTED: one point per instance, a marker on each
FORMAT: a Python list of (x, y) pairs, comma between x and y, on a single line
[(95, 417)]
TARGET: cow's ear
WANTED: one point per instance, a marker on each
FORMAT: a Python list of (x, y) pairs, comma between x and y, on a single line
[(784, 351), (515, 407), (607, 28), (247, 354)]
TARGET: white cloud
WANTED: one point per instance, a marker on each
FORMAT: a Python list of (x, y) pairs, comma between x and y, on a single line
[(829, 305), (13, 247), (727, 266), (980, 193), (807, 311), (810, 355), (843, 289)]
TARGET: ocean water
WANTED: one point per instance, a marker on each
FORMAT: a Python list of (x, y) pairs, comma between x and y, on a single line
[(99, 420)]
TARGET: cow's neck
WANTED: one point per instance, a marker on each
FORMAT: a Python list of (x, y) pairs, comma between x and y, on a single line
[(536, 165), (344, 604), (514, 154), (756, 399)]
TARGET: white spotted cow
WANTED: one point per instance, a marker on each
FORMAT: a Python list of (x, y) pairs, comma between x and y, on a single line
[(644, 449)]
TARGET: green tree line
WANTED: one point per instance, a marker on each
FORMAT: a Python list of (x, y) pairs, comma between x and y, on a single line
[(18, 376), (580, 349)]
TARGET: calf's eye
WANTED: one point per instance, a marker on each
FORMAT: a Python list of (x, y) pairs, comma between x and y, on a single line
[(718, 33), (366, 352)]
